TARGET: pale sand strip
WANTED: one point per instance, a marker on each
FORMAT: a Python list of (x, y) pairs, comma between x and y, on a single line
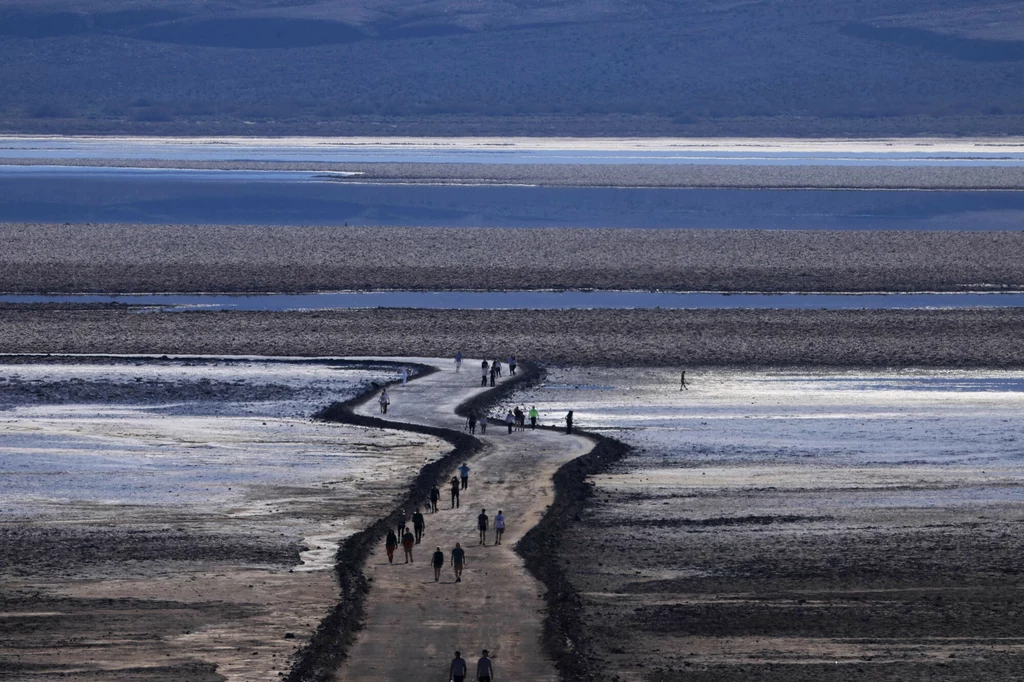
[(413, 625)]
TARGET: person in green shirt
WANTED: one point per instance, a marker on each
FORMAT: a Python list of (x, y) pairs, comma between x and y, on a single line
[(533, 417)]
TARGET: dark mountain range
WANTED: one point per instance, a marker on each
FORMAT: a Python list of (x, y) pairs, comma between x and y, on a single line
[(541, 67)]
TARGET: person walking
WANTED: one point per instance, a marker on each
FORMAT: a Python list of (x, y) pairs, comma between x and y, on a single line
[(400, 526), (520, 418), (419, 524), (458, 561), (458, 670), (483, 424), (471, 421), (494, 373), (390, 545), (481, 525), (568, 423), (497, 366), (384, 401), (484, 668), (435, 495), (682, 382), (464, 473), (510, 419), (405, 375), (483, 373), (455, 492), (511, 365), (408, 540), (533, 417), (499, 527), (458, 361), (437, 561)]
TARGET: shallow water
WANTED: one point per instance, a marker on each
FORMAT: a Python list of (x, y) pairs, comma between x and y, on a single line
[(85, 194), (918, 152), (534, 300)]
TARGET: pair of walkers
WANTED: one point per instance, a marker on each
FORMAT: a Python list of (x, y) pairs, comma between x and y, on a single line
[(483, 522), (458, 562), (458, 669), (472, 420), (407, 539)]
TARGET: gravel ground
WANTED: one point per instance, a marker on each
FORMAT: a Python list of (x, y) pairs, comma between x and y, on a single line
[(608, 175), (201, 258), (880, 338)]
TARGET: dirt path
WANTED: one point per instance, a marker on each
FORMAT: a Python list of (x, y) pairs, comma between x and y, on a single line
[(413, 625)]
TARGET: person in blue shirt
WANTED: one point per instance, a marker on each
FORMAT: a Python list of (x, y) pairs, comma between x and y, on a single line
[(464, 473)]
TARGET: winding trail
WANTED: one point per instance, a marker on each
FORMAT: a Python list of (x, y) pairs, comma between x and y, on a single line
[(413, 625)]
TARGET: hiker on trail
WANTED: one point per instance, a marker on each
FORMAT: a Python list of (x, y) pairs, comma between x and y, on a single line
[(402, 520), (484, 668), (419, 524), (464, 473), (483, 424), (384, 401), (458, 669), (458, 561), (481, 525), (483, 373), (408, 540), (682, 381), (497, 367), (390, 545), (471, 421), (455, 492), (458, 361), (511, 365), (494, 373), (405, 375), (520, 418), (435, 495), (533, 417), (568, 423), (499, 527), (437, 561), (510, 419)]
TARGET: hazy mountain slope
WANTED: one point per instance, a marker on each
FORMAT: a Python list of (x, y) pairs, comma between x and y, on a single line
[(800, 67)]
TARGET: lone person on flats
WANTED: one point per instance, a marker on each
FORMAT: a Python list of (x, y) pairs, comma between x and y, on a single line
[(455, 493), (390, 545), (408, 540), (484, 668), (435, 495), (384, 401), (682, 382), (437, 561), (481, 525), (533, 417), (458, 361), (464, 473), (418, 524), (568, 423), (458, 670), (458, 561), (499, 527)]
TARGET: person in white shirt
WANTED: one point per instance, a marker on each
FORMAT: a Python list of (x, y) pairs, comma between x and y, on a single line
[(499, 527)]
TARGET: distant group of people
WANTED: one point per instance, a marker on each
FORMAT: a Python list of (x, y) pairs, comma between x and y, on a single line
[(490, 370), (406, 537)]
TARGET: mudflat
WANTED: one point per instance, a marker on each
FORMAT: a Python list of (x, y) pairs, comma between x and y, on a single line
[(205, 258), (841, 338)]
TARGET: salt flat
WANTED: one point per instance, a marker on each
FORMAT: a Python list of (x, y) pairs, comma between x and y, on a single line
[(780, 523)]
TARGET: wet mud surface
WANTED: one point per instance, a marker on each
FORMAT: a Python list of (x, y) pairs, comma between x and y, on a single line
[(824, 527), (102, 258)]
